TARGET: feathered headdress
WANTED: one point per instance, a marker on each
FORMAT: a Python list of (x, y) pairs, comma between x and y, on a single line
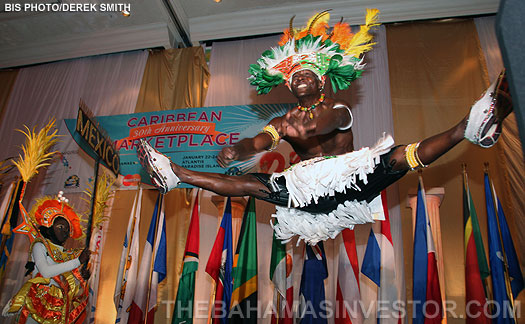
[(335, 52), (47, 209)]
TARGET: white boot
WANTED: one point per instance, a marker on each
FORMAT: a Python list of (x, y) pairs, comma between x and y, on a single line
[(158, 167), (487, 114)]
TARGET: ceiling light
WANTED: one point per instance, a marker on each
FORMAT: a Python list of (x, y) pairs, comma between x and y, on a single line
[(217, 1)]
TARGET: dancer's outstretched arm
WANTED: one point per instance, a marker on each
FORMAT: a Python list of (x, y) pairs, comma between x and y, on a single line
[(481, 126), (430, 149)]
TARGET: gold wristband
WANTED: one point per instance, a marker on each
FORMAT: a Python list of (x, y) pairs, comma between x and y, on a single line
[(412, 158), (274, 134)]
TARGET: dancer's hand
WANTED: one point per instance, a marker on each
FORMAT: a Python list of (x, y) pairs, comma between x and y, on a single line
[(84, 256), (85, 273), (227, 155)]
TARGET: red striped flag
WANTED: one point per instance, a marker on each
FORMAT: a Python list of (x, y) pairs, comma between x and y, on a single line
[(348, 296)]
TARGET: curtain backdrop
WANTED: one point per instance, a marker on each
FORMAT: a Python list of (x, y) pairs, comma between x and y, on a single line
[(370, 99), (109, 84), (7, 79), (510, 142), (436, 73), (173, 79), (229, 63), (510, 149)]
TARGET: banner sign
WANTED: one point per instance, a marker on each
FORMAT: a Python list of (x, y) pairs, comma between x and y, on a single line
[(191, 137), (94, 136)]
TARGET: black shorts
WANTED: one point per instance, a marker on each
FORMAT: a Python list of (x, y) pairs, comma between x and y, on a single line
[(382, 177)]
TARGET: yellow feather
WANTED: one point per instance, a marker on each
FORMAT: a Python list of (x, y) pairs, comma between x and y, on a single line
[(317, 19), (361, 42), (104, 193), (36, 149)]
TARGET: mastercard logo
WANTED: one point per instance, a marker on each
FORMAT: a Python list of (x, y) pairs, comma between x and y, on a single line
[(131, 180)]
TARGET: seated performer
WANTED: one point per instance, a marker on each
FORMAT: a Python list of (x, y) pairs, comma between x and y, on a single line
[(333, 185), (58, 291)]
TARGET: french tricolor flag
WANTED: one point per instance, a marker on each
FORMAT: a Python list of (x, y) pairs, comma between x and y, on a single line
[(428, 307), (149, 277), (379, 265)]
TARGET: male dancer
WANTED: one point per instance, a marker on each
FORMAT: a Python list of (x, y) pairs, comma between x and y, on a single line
[(331, 188)]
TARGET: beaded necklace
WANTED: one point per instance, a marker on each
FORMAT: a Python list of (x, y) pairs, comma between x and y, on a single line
[(312, 107)]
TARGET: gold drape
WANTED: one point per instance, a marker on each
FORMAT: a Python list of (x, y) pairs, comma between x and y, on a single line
[(7, 80), (436, 73), (174, 79)]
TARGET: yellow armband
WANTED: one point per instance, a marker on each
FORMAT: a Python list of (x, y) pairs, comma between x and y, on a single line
[(412, 158), (274, 134)]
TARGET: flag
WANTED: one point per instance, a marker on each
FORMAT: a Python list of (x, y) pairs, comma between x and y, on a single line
[(476, 268), (220, 265), (506, 275), (281, 264), (428, 307), (144, 286), (94, 279), (312, 303), (8, 220), (388, 290), (379, 265), (244, 296), (127, 274), (348, 296), (159, 264), (372, 260), (183, 310), (516, 277)]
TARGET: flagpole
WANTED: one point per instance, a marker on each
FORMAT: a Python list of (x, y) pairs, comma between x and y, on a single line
[(152, 261), (278, 315), (212, 301), (92, 203), (92, 209), (127, 264), (505, 264), (211, 310)]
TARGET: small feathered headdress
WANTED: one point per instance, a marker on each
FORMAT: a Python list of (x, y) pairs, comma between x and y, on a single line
[(335, 52)]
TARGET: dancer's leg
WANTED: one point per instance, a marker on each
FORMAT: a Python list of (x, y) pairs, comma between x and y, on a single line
[(222, 184), (166, 175)]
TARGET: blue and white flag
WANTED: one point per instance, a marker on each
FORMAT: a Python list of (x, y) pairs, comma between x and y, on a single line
[(312, 303), (499, 254)]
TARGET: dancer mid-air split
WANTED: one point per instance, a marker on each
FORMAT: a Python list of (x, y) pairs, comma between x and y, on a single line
[(333, 185)]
